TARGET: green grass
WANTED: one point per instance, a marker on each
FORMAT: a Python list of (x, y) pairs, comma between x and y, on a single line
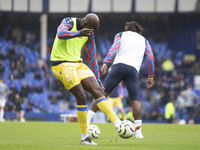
[(66, 136)]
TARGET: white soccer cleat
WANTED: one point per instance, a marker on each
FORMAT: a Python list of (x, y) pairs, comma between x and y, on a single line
[(87, 141), (139, 136), (138, 133)]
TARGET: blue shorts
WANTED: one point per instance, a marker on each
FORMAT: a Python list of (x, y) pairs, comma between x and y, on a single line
[(128, 74)]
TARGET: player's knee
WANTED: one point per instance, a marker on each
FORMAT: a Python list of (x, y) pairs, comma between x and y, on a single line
[(97, 92), (106, 94)]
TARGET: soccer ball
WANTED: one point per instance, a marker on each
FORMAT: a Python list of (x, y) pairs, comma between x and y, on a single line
[(126, 129), (93, 131)]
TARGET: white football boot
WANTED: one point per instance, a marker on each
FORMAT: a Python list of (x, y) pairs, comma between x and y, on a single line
[(138, 132), (87, 141)]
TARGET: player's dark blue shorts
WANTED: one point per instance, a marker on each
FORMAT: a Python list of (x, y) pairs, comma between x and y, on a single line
[(128, 74)]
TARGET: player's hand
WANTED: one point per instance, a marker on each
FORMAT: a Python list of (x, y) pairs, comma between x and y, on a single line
[(149, 83), (100, 84), (104, 68), (86, 32)]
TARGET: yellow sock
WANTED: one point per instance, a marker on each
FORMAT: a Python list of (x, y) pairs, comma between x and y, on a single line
[(82, 117), (105, 106)]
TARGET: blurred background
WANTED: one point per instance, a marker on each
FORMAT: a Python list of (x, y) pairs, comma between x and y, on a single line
[(28, 29)]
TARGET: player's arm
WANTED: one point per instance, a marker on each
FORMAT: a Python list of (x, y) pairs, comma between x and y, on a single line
[(111, 53), (91, 51), (113, 50), (63, 30), (150, 64)]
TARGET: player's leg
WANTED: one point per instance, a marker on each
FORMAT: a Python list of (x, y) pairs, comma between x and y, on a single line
[(111, 81), (119, 105), (132, 84), (91, 85), (22, 113), (1, 114), (112, 103), (2, 105), (18, 109), (67, 73), (123, 113), (93, 109), (81, 109), (18, 115), (136, 108)]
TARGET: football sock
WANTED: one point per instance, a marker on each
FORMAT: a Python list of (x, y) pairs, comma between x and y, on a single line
[(138, 123), (117, 122), (105, 106), (124, 117), (90, 115), (82, 118), (84, 136)]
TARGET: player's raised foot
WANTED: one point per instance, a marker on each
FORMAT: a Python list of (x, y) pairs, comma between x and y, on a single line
[(87, 141)]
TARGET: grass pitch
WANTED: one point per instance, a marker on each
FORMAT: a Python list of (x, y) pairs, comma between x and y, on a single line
[(66, 136)]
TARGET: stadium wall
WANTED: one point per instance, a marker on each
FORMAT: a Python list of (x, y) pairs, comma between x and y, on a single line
[(99, 6)]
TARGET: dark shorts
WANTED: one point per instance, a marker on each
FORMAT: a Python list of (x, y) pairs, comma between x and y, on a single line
[(128, 74)]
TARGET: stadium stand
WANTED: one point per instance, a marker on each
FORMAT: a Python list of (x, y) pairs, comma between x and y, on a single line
[(51, 96)]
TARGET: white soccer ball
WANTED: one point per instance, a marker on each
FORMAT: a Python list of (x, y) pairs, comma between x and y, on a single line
[(126, 129), (93, 131)]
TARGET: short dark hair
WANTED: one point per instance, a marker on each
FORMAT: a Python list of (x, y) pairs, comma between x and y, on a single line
[(134, 26)]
